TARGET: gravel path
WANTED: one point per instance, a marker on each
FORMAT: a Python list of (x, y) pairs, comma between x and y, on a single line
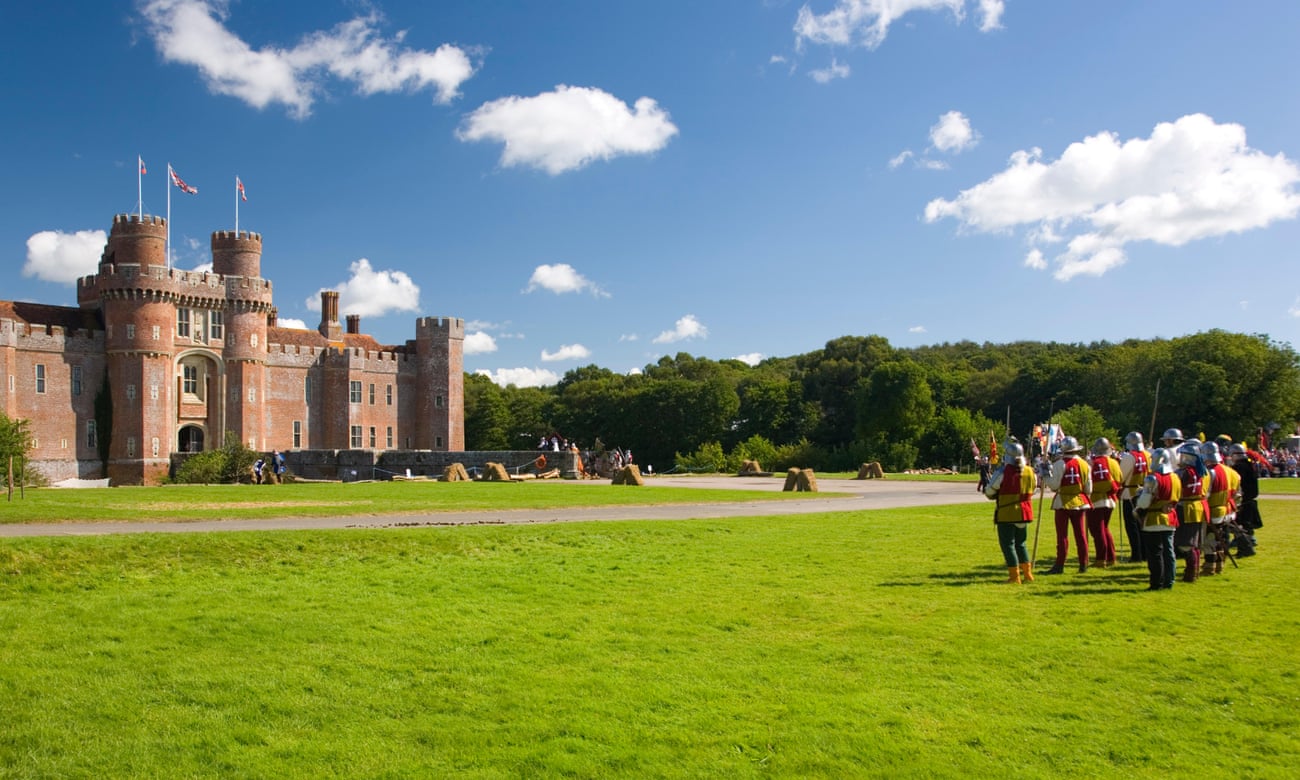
[(863, 495)]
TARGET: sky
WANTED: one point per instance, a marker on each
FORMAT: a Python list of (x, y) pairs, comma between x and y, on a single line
[(611, 182)]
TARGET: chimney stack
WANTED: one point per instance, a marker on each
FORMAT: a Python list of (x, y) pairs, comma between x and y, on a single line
[(329, 315), (354, 324)]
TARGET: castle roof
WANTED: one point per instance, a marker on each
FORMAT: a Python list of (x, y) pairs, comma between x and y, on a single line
[(310, 338), (66, 317)]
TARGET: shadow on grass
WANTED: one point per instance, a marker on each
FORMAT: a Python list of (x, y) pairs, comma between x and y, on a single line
[(1090, 583)]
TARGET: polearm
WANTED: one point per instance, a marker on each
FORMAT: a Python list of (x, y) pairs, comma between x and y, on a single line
[(1151, 432), (1042, 488)]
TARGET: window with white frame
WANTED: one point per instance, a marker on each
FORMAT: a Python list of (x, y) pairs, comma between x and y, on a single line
[(190, 379), (388, 392), (356, 437), (372, 437), (297, 434), (130, 332), (252, 394), (154, 446), (372, 393), (217, 325), (388, 439), (354, 391), (155, 332), (183, 323)]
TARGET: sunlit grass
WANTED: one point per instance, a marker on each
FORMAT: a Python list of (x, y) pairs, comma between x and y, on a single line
[(851, 644)]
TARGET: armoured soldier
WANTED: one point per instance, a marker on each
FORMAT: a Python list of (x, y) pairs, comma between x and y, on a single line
[(1172, 439), (1193, 509), (1012, 486), (1105, 493), (1224, 483), (1247, 507), (1133, 465), (1155, 505), (1071, 478)]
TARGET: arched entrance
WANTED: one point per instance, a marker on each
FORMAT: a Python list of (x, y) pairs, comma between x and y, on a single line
[(190, 439)]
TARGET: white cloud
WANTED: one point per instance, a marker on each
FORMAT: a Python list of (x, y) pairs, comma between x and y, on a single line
[(866, 22), (371, 293), (932, 165), (836, 70), (686, 328), (55, 256), (1035, 260), (521, 377), (291, 322), (916, 329), (953, 133), (568, 128), (192, 32), (628, 337), (566, 352), (1191, 179), (1294, 311), (900, 158), (562, 278), (634, 372), (479, 343), (750, 358)]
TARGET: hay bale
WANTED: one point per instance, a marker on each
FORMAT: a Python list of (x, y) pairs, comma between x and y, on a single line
[(495, 472), (800, 480), (552, 474), (807, 482), (454, 473), (871, 470), (628, 475), (791, 479), (750, 467)]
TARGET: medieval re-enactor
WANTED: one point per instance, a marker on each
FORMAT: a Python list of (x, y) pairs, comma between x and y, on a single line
[(1224, 483), (1071, 478), (1104, 497), (1155, 506), (1133, 465), (1193, 509), (1012, 486), (1248, 517)]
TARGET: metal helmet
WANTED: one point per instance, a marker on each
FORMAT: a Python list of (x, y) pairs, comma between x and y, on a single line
[(1210, 452), (1172, 433), (1013, 453), (1133, 442), (1102, 446), (1189, 453), (1070, 444), (1162, 461), (1236, 451), (1224, 441)]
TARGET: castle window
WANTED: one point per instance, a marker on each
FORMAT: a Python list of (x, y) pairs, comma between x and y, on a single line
[(156, 332), (354, 392), (356, 437), (190, 379), (372, 437), (306, 390), (297, 434), (253, 340), (437, 442), (130, 332), (40, 378), (438, 402), (130, 446), (372, 393), (91, 438), (217, 325), (183, 323), (388, 440), (63, 444), (76, 380), (389, 393), (153, 392), (199, 329), (154, 446), (252, 394), (130, 392)]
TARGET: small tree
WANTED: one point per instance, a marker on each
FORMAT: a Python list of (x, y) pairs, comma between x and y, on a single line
[(228, 464), (15, 441)]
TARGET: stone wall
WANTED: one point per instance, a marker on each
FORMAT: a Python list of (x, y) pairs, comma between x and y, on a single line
[(354, 465)]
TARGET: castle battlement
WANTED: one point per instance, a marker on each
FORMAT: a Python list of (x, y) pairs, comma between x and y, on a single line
[(445, 327)]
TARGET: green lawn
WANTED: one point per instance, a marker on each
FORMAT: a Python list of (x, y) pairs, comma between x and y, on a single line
[(838, 645), (333, 499)]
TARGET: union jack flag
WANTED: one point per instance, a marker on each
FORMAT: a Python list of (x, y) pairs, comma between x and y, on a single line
[(239, 185), (179, 182), (142, 170)]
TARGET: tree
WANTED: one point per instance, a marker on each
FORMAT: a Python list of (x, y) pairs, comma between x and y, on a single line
[(15, 441), (487, 419), (894, 409), (946, 441)]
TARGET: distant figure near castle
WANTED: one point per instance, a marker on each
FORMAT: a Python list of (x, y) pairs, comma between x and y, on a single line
[(183, 356)]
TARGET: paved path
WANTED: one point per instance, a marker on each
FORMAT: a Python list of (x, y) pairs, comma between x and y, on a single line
[(863, 494)]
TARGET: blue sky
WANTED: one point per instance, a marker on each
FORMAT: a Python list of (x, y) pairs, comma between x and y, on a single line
[(608, 183)]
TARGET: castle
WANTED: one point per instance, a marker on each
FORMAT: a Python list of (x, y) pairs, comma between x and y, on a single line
[(155, 361)]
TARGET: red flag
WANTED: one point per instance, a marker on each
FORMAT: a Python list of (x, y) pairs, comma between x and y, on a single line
[(993, 448), (179, 182), (239, 185), (141, 160), (974, 449)]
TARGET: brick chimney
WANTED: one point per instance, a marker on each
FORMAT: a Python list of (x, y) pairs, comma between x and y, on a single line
[(329, 315), (354, 324)]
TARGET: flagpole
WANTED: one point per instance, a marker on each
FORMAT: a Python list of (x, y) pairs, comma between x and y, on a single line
[(236, 205), (139, 187), (168, 185)]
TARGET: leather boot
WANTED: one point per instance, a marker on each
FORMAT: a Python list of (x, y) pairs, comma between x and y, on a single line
[(1013, 575), (1192, 569), (1207, 568), (1026, 572)]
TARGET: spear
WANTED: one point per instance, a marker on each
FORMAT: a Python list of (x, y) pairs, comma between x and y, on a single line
[(1042, 489)]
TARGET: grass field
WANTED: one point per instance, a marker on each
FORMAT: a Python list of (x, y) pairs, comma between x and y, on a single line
[(333, 499), (838, 645)]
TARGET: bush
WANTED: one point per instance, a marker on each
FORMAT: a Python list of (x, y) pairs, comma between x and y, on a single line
[(709, 457), (230, 464)]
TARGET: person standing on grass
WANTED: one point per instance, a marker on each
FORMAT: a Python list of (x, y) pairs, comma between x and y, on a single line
[(1133, 466), (1248, 518), (1071, 478), (1193, 509), (1155, 505), (1224, 483), (1105, 493), (1012, 486)]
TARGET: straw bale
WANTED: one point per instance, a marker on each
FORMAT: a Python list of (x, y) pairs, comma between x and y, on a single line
[(628, 475), (495, 472), (454, 473), (871, 470), (791, 479), (750, 467)]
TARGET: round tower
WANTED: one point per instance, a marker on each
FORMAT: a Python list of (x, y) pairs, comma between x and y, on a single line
[(237, 254), (136, 240)]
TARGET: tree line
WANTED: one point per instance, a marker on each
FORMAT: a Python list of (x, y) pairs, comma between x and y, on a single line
[(859, 399)]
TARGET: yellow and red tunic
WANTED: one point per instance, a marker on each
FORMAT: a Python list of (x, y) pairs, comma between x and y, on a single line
[(1075, 484), (1163, 491), (1223, 487), (1105, 481), (1192, 507), (1014, 494)]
